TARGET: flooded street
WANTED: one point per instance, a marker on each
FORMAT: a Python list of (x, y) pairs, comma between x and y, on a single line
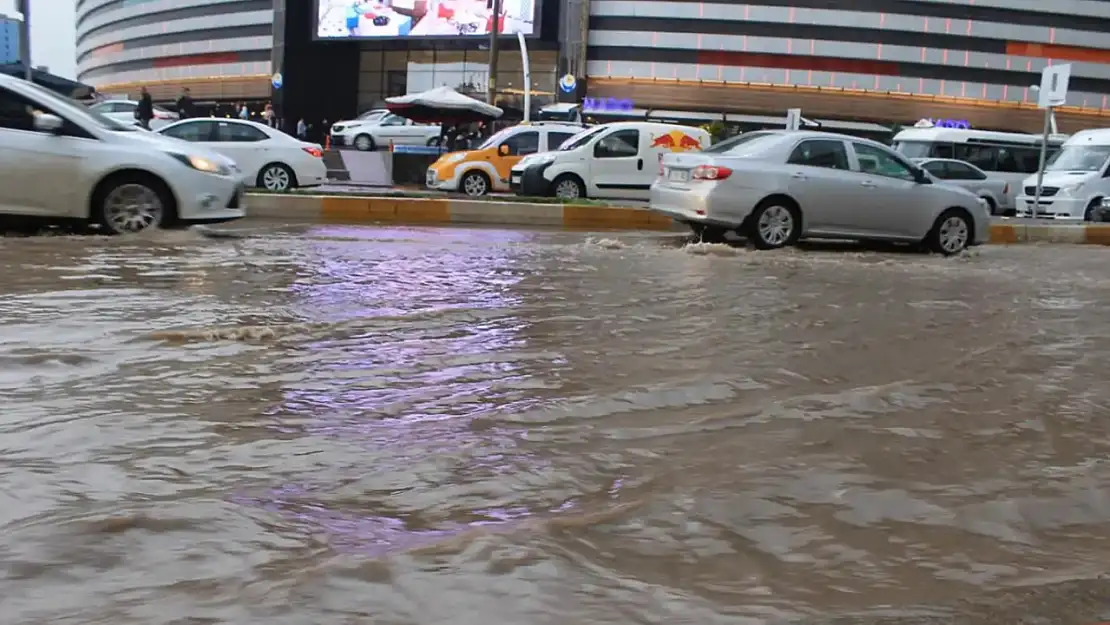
[(401, 426)]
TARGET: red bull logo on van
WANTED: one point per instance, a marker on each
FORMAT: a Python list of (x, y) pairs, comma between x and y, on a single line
[(675, 141)]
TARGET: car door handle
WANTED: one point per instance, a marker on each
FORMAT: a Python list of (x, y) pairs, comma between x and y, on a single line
[(867, 184), (640, 164), (798, 176)]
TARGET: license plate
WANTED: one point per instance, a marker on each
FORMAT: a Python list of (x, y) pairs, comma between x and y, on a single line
[(678, 175), (516, 180)]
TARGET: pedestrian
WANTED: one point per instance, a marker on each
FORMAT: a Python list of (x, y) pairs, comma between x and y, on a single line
[(244, 113), (144, 112), (185, 104), (268, 116), (302, 130)]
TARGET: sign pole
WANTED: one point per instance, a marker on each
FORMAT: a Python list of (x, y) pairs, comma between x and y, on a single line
[(24, 7), (527, 76), (1040, 168), (494, 33)]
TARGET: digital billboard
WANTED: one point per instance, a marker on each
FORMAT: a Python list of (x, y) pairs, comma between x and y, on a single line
[(392, 19)]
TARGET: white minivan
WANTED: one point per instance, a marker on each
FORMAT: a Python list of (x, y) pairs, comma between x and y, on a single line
[(1076, 179), (617, 160)]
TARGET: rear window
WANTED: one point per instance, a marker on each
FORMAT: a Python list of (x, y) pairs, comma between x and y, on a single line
[(732, 142)]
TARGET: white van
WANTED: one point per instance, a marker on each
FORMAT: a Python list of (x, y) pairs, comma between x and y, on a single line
[(618, 160), (1076, 179)]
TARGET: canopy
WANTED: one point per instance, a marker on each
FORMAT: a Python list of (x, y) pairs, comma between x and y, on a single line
[(57, 84), (442, 104)]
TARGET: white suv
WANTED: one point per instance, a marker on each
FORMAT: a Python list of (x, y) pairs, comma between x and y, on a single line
[(60, 161)]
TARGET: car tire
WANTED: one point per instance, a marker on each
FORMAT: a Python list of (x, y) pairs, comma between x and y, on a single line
[(774, 224), (474, 183), (364, 143), (951, 234), (276, 178), (1093, 211), (991, 206), (132, 203), (708, 234), (568, 187)]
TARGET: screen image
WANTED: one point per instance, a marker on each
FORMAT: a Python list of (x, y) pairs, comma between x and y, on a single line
[(390, 19)]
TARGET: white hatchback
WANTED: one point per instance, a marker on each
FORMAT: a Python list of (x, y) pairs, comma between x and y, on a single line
[(60, 161), (269, 158)]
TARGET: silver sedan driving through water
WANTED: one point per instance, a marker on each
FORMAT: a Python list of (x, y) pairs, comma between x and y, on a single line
[(776, 187)]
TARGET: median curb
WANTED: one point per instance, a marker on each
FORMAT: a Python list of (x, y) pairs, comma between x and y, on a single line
[(437, 211), (1088, 234), (425, 211)]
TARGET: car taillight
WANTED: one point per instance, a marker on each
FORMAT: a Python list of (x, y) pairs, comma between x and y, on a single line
[(317, 152), (710, 172)]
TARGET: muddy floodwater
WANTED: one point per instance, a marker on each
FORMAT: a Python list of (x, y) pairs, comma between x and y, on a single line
[(340, 425)]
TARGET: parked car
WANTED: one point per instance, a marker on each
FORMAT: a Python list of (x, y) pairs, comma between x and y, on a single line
[(616, 160), (1076, 180), (123, 111), (268, 157), (60, 161), (486, 168), (781, 186), (381, 131), (995, 191)]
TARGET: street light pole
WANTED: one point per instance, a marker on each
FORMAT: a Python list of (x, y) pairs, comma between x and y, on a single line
[(24, 7), (494, 35)]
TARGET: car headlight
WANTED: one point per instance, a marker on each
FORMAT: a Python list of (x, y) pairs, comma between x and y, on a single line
[(337, 128), (1072, 190), (538, 159), (200, 163)]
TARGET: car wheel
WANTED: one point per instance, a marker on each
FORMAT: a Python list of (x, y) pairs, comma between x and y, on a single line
[(774, 224), (132, 204), (364, 143), (433, 142), (991, 206), (708, 234), (568, 187), (474, 184), (1093, 210), (276, 177), (951, 234)]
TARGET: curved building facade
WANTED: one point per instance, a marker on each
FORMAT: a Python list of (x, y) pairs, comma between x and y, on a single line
[(219, 48), (898, 60)]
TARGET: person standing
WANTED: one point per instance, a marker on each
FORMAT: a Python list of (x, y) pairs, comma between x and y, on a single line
[(302, 130), (244, 112), (185, 104), (268, 117), (145, 111)]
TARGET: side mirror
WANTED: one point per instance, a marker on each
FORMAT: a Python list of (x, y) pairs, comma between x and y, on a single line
[(45, 122), (503, 150), (922, 177)]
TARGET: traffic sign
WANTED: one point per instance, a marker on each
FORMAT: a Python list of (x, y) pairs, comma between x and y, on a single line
[(277, 80), (1054, 85), (793, 119)]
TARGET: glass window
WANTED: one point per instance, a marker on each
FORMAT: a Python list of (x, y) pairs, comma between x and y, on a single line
[(16, 112), (555, 139), (924, 149), (192, 131), (962, 171), (828, 153), (581, 139), (880, 162), (731, 142), (619, 144), (393, 120), (936, 168), (523, 143), (984, 157), (1079, 158), (239, 133)]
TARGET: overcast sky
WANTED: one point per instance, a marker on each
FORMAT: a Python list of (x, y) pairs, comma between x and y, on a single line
[(52, 34)]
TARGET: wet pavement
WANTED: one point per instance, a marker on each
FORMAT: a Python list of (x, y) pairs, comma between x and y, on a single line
[(424, 426)]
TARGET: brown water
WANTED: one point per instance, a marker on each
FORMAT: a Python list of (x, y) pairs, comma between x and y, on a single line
[(426, 426)]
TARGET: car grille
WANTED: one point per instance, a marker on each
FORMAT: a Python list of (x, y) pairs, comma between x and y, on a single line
[(1045, 191)]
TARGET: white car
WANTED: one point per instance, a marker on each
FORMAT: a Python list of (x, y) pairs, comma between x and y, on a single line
[(123, 111), (59, 161), (382, 131), (995, 191), (268, 157)]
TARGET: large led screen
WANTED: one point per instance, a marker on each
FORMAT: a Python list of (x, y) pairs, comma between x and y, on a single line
[(392, 19)]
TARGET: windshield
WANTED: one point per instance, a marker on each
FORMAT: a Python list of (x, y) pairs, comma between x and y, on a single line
[(731, 142), (496, 138), (754, 147), (580, 139), (1079, 158), (913, 149), (372, 114)]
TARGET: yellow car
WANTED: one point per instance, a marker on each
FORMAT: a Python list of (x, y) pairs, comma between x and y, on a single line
[(486, 168)]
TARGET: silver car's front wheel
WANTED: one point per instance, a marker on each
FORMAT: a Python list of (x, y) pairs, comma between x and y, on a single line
[(774, 225), (275, 177), (132, 206), (567, 187), (951, 234)]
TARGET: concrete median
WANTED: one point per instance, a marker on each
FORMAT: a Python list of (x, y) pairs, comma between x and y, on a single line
[(426, 211)]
